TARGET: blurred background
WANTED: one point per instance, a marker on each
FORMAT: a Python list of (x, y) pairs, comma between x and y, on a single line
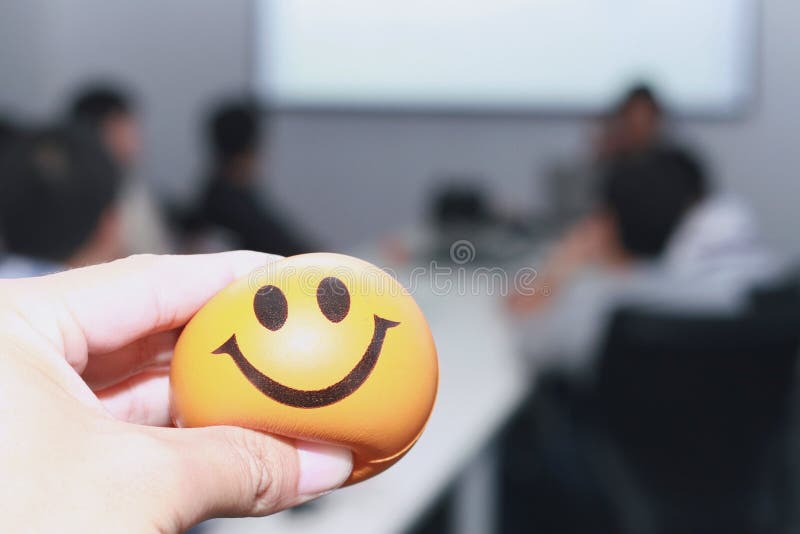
[(593, 202)]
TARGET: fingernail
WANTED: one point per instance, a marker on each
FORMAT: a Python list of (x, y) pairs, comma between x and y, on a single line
[(322, 467)]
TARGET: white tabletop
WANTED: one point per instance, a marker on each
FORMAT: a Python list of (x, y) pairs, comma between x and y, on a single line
[(481, 383)]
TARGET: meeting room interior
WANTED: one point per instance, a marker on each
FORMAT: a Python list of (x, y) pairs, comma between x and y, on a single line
[(422, 267)]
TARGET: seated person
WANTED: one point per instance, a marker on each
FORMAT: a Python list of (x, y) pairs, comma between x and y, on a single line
[(111, 115), (109, 112), (635, 124), (655, 241), (58, 208), (232, 200), (638, 121)]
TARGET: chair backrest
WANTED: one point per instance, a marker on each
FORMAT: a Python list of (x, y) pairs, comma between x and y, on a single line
[(692, 402), (459, 204)]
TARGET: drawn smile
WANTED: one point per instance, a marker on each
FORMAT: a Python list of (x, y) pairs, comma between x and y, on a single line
[(317, 398)]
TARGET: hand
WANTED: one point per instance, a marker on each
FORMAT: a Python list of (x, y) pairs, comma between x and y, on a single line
[(532, 300), (84, 398), (590, 241)]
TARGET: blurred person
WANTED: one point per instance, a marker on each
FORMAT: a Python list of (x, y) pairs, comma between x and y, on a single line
[(111, 114), (84, 381), (232, 200), (660, 238), (8, 130), (58, 203), (635, 124)]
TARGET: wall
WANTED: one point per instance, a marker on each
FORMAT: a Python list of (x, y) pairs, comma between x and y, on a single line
[(334, 173), (178, 56), (759, 158), (385, 164), (23, 46)]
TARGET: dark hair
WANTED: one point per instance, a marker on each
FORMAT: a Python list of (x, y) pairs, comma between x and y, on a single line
[(234, 128), (639, 91), (8, 131), (54, 187), (97, 103), (648, 194)]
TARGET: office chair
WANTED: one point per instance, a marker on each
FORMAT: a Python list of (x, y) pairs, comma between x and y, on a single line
[(691, 419)]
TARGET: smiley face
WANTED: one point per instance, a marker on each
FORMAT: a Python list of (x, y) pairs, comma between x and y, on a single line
[(320, 347), (272, 309)]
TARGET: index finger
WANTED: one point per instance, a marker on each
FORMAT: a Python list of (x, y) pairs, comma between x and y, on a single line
[(111, 305)]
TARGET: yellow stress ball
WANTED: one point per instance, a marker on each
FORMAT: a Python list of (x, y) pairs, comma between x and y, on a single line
[(319, 347)]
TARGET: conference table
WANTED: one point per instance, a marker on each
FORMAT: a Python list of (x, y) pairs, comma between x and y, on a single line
[(482, 382)]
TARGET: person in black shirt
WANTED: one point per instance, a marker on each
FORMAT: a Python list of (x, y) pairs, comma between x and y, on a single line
[(232, 200)]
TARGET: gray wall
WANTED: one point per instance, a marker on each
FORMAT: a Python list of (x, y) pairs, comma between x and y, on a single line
[(22, 53), (347, 178), (177, 55)]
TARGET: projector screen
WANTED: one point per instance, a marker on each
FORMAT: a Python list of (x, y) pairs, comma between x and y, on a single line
[(515, 55)]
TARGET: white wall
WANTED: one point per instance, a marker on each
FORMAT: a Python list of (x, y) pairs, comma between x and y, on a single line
[(347, 178)]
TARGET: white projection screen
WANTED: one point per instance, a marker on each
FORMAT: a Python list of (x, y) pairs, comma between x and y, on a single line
[(504, 55)]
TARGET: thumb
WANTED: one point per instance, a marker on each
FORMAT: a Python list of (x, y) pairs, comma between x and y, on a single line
[(230, 471)]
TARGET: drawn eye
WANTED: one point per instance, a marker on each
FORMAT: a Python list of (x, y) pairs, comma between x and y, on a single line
[(333, 299), (270, 307)]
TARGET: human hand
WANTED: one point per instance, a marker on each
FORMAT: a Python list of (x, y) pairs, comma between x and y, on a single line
[(84, 405), (531, 300), (590, 241)]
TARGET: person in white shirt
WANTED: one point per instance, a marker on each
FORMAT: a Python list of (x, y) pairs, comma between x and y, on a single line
[(719, 240)]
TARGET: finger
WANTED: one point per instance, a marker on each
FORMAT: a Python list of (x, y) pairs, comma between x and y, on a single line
[(105, 370), (109, 306), (142, 399), (230, 471)]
